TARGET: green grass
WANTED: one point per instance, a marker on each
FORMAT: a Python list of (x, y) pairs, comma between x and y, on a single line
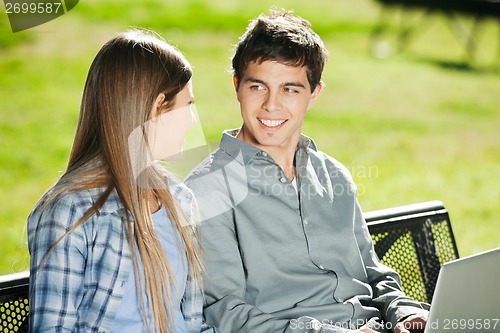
[(420, 125)]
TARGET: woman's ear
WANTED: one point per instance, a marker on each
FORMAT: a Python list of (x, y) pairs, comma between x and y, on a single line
[(156, 109)]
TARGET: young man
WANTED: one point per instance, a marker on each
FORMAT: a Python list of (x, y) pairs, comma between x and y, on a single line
[(287, 249)]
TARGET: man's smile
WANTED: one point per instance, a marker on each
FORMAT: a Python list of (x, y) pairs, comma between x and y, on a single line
[(272, 122)]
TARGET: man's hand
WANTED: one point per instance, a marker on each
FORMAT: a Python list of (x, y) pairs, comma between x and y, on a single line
[(412, 324), (372, 326), (365, 330)]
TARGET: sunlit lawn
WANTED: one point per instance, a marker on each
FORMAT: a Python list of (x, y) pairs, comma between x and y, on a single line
[(418, 126)]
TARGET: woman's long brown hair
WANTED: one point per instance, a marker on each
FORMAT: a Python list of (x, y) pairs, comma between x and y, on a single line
[(126, 76)]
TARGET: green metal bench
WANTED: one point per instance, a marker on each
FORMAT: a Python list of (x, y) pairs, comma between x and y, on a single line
[(415, 240), (14, 302)]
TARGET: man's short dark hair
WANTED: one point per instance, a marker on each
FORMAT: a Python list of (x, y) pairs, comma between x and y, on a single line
[(281, 37)]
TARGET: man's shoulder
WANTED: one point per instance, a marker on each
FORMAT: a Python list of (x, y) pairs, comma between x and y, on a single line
[(335, 168), (320, 156), (218, 159), (316, 155), (203, 167)]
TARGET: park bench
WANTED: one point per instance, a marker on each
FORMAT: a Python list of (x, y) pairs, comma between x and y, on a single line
[(415, 240), (14, 302), (451, 9)]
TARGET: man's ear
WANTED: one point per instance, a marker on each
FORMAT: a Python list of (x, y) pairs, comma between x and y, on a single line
[(235, 83), (156, 109), (315, 94)]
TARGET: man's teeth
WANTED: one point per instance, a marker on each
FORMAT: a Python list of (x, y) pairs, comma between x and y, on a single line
[(272, 123)]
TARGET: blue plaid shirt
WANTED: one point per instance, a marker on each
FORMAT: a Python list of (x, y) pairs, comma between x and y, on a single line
[(80, 286)]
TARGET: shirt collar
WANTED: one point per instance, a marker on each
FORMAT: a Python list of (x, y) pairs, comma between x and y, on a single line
[(306, 142), (233, 146), (237, 148)]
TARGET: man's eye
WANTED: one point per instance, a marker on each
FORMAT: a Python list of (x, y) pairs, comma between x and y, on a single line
[(257, 87), (290, 90)]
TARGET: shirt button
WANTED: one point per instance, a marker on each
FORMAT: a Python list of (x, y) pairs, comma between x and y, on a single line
[(321, 266), (306, 221), (264, 154), (283, 180)]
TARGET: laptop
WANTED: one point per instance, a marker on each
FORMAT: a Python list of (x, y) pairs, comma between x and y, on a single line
[(467, 295)]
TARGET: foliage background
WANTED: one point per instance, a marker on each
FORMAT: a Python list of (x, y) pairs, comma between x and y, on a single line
[(420, 125)]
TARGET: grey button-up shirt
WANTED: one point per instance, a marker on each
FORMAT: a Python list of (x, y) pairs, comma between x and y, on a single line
[(280, 259)]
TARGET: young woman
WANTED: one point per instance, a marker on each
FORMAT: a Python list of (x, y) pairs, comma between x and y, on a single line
[(111, 244)]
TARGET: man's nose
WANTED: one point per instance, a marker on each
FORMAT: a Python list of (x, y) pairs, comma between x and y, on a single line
[(272, 102)]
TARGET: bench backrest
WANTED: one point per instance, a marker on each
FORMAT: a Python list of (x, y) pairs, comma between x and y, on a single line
[(14, 302), (415, 240)]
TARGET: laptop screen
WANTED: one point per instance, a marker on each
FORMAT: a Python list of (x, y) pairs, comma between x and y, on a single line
[(467, 295)]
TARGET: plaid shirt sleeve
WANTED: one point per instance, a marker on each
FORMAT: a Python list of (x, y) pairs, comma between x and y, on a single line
[(56, 284), (82, 270)]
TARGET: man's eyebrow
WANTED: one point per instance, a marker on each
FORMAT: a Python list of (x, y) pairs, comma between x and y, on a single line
[(286, 84), (254, 80), (293, 84)]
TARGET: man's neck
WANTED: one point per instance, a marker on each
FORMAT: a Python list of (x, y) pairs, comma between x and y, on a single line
[(286, 162), (283, 156)]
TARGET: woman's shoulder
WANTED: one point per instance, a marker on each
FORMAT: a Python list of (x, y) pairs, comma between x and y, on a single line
[(179, 190), (65, 204)]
